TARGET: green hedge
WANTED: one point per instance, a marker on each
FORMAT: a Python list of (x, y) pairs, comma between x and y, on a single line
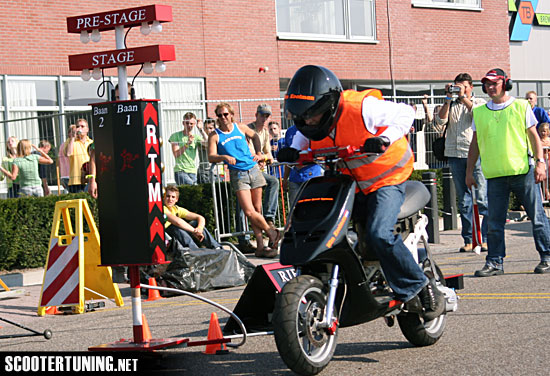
[(26, 223), (25, 228)]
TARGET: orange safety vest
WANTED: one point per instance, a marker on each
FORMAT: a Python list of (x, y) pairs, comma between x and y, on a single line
[(392, 167)]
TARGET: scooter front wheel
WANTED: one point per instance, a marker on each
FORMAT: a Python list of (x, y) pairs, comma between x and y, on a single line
[(418, 331), (304, 347)]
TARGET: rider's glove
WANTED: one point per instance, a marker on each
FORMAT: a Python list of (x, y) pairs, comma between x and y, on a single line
[(376, 145), (288, 155)]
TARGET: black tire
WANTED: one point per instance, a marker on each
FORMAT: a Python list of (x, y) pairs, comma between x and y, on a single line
[(48, 334), (305, 349), (418, 332)]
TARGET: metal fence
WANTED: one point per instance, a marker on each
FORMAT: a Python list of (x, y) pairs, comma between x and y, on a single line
[(52, 127), (46, 126)]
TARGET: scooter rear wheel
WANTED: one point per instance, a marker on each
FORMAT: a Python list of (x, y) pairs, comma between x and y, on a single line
[(419, 332), (304, 347)]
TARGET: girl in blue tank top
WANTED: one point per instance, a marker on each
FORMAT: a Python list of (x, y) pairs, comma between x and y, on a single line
[(234, 144), (228, 145)]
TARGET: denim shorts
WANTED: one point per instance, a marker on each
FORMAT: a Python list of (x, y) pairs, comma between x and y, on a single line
[(250, 179)]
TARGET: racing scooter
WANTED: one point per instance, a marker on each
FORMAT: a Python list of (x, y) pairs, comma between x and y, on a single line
[(340, 282)]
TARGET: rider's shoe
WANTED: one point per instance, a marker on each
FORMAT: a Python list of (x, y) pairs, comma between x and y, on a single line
[(543, 267), (488, 271), (433, 301)]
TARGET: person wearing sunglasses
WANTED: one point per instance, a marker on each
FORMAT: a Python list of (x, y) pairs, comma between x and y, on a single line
[(228, 145)]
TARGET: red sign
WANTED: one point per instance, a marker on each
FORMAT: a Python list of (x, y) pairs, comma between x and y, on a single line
[(123, 17), (526, 12), (128, 56)]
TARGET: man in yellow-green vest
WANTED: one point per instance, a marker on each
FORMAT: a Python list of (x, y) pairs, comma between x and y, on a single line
[(518, 167)]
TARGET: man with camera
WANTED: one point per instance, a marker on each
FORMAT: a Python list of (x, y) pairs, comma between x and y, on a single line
[(77, 151), (456, 116)]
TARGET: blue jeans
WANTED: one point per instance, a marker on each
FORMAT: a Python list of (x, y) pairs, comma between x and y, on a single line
[(270, 200), (380, 209), (529, 195), (186, 240), (182, 177), (13, 191), (76, 188), (464, 196)]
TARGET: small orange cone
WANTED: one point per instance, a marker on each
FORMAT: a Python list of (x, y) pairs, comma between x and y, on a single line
[(52, 310), (146, 332), (214, 332), (153, 294)]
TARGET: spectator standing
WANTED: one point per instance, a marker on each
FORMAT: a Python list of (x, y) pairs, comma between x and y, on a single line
[(77, 151), (276, 142), (271, 194), (456, 116), (508, 121), (544, 134), (295, 177), (7, 162), (209, 125), (44, 170), (206, 170), (91, 177), (25, 166), (228, 144), (185, 145), (540, 114), (63, 159)]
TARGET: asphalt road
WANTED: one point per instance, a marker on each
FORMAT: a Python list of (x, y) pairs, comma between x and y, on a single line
[(500, 327)]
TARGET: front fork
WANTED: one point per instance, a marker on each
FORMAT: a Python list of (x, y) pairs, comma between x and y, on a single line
[(420, 234), (330, 322)]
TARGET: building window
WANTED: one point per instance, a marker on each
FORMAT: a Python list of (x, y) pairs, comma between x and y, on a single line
[(330, 20), (449, 4)]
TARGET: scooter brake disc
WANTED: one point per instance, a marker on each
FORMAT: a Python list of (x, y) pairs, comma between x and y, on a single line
[(317, 336)]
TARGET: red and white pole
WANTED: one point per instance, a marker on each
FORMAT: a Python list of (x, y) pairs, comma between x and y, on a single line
[(137, 317)]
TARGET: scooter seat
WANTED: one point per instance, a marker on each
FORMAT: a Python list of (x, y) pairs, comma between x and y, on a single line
[(416, 198)]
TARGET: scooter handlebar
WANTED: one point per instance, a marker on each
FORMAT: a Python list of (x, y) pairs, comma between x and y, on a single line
[(330, 154)]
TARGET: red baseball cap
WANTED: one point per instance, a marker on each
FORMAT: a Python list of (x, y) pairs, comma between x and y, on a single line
[(494, 75)]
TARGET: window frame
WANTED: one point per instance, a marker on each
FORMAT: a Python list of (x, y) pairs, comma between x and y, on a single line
[(346, 38), (441, 5)]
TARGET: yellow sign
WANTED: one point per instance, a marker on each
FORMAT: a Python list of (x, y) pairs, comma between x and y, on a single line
[(72, 273), (543, 19)]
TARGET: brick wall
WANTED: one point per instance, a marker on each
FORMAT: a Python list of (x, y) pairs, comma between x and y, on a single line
[(227, 41)]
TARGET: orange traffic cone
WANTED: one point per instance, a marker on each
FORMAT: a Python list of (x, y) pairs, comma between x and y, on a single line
[(146, 332), (153, 294), (214, 332), (52, 310)]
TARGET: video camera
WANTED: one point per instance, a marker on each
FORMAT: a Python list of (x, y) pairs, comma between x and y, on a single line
[(454, 89)]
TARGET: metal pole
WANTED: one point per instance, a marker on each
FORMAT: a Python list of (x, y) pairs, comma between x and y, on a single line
[(449, 201), (430, 181), (122, 77)]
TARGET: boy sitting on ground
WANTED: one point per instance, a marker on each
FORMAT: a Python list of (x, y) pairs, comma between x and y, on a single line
[(187, 233)]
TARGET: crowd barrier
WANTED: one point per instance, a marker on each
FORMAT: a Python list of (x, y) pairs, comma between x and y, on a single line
[(226, 215)]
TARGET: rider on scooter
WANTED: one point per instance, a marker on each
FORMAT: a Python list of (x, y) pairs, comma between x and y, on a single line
[(328, 116)]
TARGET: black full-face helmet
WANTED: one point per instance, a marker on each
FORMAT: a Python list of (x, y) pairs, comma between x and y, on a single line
[(313, 90)]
